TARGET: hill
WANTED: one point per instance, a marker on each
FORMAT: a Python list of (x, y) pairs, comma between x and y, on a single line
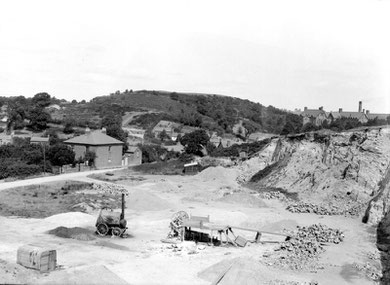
[(210, 111)]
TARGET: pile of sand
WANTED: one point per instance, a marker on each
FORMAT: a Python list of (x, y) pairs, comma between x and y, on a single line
[(226, 175), (144, 201), (72, 219), (74, 233)]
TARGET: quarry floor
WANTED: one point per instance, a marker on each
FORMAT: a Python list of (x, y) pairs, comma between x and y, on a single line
[(142, 258)]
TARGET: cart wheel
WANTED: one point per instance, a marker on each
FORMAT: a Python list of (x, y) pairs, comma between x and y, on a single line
[(116, 232), (179, 217), (102, 229)]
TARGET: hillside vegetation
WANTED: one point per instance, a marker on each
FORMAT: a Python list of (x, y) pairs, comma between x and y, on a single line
[(212, 112)]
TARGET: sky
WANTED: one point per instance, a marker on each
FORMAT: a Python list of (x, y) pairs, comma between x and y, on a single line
[(285, 53)]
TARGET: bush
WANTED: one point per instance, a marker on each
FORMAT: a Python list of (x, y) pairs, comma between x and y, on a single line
[(18, 169), (152, 153)]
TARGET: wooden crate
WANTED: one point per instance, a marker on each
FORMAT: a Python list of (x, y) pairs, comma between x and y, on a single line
[(37, 257), (240, 241)]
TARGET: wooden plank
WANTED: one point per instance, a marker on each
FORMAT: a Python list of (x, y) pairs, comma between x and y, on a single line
[(258, 230)]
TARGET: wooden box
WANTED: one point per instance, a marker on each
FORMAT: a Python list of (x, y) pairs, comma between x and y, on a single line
[(36, 257), (240, 241)]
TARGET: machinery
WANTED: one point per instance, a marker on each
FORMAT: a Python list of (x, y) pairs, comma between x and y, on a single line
[(176, 225), (110, 222)]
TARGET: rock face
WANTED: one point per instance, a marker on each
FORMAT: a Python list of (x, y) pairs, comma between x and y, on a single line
[(342, 171)]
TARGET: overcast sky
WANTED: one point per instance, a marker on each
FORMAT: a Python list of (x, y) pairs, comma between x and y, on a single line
[(285, 53)]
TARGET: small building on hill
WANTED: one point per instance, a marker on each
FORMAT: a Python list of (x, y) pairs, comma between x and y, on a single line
[(133, 156), (377, 116), (39, 140), (314, 116), (191, 168), (239, 129), (360, 116), (108, 150), (167, 126)]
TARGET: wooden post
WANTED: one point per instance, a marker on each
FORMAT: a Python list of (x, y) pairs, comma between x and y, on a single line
[(258, 237)]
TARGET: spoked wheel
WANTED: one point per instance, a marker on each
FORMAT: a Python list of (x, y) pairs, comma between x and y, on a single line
[(116, 232), (102, 229), (179, 217), (176, 224)]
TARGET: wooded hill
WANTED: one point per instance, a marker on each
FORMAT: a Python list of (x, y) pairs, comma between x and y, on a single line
[(208, 111)]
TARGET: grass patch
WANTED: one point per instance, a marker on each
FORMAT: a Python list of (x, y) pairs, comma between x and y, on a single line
[(44, 200)]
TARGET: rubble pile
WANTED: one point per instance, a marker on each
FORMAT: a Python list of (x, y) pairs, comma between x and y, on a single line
[(110, 188), (303, 207), (370, 271), (277, 195), (304, 246), (351, 209)]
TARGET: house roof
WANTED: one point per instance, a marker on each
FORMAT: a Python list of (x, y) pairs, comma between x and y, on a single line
[(94, 138), (39, 139), (313, 112), (191, 164), (355, 115), (372, 116)]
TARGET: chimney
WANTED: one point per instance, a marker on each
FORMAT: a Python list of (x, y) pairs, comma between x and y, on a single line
[(360, 106), (321, 108), (340, 110), (364, 110), (367, 112), (305, 109), (104, 130), (87, 130)]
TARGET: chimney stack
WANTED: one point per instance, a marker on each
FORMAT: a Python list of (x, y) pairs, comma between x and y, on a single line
[(340, 110), (87, 130), (104, 130), (321, 108), (367, 112), (360, 106), (305, 109)]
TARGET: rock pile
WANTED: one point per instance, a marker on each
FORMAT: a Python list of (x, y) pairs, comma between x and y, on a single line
[(352, 209), (110, 188), (304, 246), (370, 271), (275, 195), (303, 207)]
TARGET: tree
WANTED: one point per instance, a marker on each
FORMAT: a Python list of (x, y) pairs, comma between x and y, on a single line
[(309, 127), (41, 100), (194, 142), (90, 156), (288, 128), (113, 125), (60, 154), (68, 129), (163, 135), (38, 119)]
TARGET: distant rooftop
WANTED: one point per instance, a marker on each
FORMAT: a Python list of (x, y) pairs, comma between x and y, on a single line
[(93, 138)]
